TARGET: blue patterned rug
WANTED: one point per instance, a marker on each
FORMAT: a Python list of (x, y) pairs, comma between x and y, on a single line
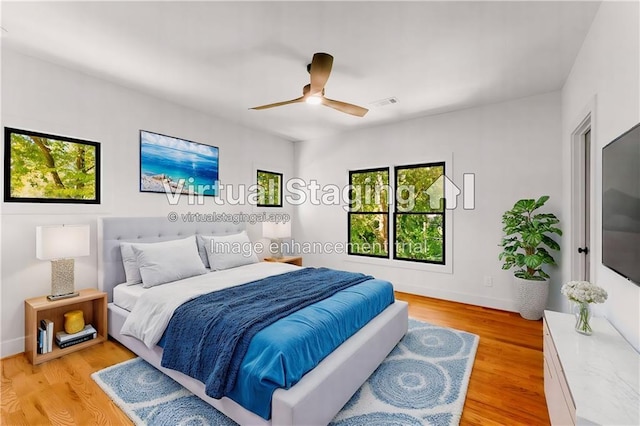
[(423, 381)]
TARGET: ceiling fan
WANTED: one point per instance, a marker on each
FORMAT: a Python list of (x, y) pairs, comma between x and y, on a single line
[(313, 93)]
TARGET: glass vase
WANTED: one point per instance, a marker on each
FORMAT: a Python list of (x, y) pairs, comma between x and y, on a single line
[(582, 311)]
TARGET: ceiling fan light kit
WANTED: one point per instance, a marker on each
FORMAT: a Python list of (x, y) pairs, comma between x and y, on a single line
[(313, 93)]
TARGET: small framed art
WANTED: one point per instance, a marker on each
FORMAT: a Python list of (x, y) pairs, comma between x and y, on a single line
[(270, 189)]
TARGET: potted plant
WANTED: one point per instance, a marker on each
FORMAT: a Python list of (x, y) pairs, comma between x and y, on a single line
[(525, 243)]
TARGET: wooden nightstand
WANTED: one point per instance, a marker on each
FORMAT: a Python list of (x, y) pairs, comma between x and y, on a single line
[(293, 260), (91, 302)]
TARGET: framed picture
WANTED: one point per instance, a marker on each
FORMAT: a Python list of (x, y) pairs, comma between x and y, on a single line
[(270, 184), (177, 165), (42, 168)]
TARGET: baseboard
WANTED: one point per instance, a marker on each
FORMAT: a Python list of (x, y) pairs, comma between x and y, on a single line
[(11, 347), (470, 299)]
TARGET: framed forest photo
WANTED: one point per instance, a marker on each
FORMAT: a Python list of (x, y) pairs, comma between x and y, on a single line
[(270, 189), (42, 168)]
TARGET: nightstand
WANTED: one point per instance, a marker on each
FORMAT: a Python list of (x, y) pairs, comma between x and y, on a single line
[(293, 260), (91, 302)]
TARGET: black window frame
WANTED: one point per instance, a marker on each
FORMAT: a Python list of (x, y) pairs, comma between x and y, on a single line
[(351, 212), (396, 213)]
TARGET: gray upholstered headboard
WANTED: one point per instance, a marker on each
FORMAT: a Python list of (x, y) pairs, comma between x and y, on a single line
[(114, 230)]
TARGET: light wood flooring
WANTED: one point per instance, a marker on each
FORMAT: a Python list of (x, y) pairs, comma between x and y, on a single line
[(506, 386)]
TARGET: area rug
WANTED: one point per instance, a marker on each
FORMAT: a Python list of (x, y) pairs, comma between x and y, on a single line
[(423, 381)]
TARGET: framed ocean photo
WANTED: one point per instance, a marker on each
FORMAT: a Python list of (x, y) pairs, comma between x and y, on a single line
[(44, 168), (177, 165)]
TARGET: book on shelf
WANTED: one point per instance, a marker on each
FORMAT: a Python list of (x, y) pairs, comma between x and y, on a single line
[(47, 344), (77, 340), (63, 337), (41, 339)]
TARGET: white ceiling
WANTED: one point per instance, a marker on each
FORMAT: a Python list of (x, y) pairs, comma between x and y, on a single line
[(223, 58)]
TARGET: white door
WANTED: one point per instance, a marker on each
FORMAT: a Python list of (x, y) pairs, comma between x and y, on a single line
[(586, 237), (581, 202)]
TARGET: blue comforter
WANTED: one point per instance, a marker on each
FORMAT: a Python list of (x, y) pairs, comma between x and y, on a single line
[(208, 337), (282, 353)]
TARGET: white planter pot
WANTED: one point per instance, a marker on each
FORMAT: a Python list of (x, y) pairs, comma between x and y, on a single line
[(531, 298)]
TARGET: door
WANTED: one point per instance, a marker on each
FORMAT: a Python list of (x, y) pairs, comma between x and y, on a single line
[(581, 202), (586, 207)]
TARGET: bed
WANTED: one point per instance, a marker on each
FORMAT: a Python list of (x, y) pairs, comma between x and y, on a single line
[(315, 399)]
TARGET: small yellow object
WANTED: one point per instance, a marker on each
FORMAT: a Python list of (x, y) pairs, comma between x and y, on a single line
[(73, 321)]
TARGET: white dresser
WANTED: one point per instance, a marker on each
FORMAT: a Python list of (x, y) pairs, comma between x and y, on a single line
[(589, 380)]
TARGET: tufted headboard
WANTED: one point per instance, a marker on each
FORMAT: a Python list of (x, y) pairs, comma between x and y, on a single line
[(114, 230)]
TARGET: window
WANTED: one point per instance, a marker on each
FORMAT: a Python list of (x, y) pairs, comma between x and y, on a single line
[(418, 231), (270, 189), (368, 226), (419, 217)]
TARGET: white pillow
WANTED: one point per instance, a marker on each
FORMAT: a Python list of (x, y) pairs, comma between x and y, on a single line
[(229, 251), (130, 262), (168, 261), (202, 250)]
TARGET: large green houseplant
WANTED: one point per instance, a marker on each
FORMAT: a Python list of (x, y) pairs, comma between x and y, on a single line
[(526, 246)]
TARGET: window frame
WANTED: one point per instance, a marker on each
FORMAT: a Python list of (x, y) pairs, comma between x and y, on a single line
[(351, 212), (443, 213)]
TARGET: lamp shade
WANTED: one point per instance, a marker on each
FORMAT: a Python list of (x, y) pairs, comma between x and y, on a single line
[(62, 241), (276, 229)]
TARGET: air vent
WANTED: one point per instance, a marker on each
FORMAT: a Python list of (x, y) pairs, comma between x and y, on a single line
[(385, 102)]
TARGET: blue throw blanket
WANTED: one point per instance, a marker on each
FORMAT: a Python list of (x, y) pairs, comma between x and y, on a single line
[(208, 337)]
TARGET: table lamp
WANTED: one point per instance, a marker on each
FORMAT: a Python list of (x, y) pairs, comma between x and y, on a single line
[(60, 244), (276, 231)]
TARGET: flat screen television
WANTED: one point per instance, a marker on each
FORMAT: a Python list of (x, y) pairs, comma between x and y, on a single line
[(621, 205)]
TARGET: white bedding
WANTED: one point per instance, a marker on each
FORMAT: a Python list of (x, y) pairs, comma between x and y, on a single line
[(126, 296), (151, 314)]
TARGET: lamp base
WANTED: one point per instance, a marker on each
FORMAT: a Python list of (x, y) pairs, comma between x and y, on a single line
[(275, 248), (62, 279), (55, 297)]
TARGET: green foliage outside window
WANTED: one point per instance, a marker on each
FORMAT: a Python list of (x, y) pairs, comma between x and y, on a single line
[(419, 217), (419, 213), (270, 189), (368, 234), (43, 168), (420, 188), (369, 213), (419, 237)]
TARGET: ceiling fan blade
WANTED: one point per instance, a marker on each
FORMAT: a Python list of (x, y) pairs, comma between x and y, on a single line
[(320, 69), (345, 107), (292, 101)]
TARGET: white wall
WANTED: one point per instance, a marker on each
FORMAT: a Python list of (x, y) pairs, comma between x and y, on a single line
[(40, 96), (514, 149), (605, 80)]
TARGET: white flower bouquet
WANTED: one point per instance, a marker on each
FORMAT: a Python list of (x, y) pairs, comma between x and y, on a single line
[(584, 292)]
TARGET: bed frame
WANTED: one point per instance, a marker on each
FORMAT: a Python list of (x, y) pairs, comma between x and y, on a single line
[(317, 397)]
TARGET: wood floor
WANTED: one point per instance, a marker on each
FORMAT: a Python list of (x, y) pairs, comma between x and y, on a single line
[(506, 386)]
